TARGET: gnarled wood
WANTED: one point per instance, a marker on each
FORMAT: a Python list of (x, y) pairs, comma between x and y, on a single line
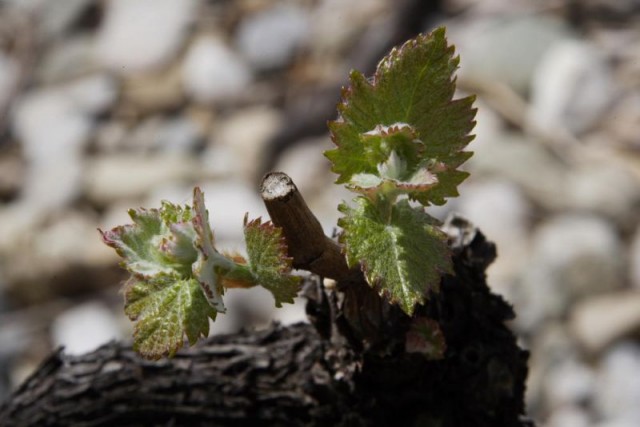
[(275, 376), (307, 375)]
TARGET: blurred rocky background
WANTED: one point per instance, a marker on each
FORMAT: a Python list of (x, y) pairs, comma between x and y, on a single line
[(107, 105)]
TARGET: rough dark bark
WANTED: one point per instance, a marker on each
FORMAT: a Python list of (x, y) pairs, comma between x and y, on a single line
[(264, 376), (317, 374)]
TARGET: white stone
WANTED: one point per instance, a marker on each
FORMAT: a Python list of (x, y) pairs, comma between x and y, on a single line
[(93, 94), (573, 256), (56, 121), (290, 314), (18, 221), (227, 202), (220, 161), (570, 382), (501, 212), (305, 163), (629, 420), (268, 39), (525, 162), (26, 5), (179, 193), (489, 126), (499, 209), (552, 345), (583, 251), (34, 252), (600, 321), (179, 135), (590, 188), (49, 126), (505, 48), (115, 177), (246, 134), (71, 240), (54, 183), (54, 126), (15, 337), (618, 391), (84, 328), (212, 72), (569, 416), (140, 35), (255, 307), (329, 34), (572, 88)]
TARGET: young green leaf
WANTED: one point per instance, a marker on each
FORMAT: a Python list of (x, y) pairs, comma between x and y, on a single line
[(397, 155), (177, 274), (268, 260), (149, 246), (165, 309), (401, 251), (409, 97)]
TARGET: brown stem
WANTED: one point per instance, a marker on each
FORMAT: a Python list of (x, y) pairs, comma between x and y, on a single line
[(308, 246)]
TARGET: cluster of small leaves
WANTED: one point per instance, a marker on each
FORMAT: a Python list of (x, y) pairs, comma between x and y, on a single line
[(178, 277), (400, 138)]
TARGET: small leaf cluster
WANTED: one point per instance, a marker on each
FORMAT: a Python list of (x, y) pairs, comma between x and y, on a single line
[(400, 139), (399, 142), (178, 277)]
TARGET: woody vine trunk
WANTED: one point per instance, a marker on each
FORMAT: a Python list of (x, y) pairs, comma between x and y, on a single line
[(347, 367)]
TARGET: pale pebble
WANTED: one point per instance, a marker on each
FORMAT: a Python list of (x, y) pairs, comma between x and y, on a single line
[(500, 210), (114, 177), (572, 88), (505, 48), (71, 239), (141, 35), (228, 201), (572, 256), (246, 133), (618, 391), (212, 72), (84, 328), (598, 322), (569, 382), (524, 161), (268, 39), (569, 416)]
